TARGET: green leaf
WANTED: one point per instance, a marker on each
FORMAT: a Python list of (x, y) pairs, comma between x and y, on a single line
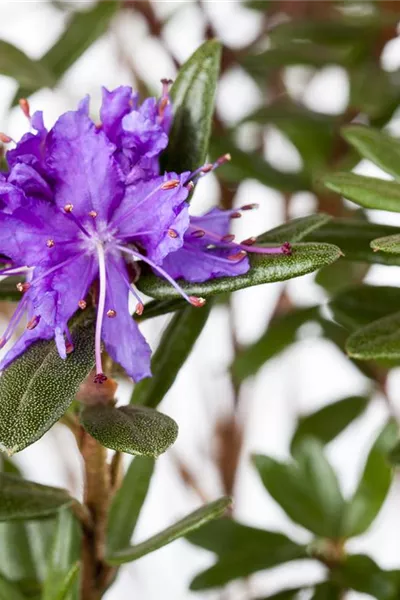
[(193, 97), (305, 258), (307, 490), (289, 594), (389, 244), (21, 499), (280, 333), (156, 308), (181, 528), (127, 503), (9, 590), (241, 550), (373, 487), (38, 387), (360, 305), (380, 148), (295, 230), (326, 423), (174, 348), (29, 73), (340, 275), (368, 192), (376, 341), (327, 591), (361, 573), (132, 429), (8, 289)]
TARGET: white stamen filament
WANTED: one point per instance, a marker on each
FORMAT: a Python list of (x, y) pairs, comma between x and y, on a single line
[(100, 306)]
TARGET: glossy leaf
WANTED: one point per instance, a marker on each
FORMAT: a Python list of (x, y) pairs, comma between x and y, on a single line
[(132, 429), (241, 550), (373, 487), (16, 64), (127, 503), (378, 340), (295, 230), (305, 258), (361, 573), (181, 528), (368, 192), (375, 145), (32, 398), (326, 423), (21, 499), (173, 349), (9, 590), (389, 244), (360, 305), (307, 490), (193, 97)]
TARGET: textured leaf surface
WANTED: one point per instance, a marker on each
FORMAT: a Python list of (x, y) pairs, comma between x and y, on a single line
[(173, 349), (127, 503), (132, 429), (389, 244), (39, 386), (368, 192), (29, 73), (378, 340), (241, 550), (193, 96), (305, 258), (181, 528), (380, 148), (21, 499), (360, 305)]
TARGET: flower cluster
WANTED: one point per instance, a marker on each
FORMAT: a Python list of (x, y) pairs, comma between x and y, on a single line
[(83, 204)]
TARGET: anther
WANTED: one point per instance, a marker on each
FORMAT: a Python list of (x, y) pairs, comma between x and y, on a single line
[(223, 159), (68, 208), (23, 287), (93, 214), (162, 106), (139, 308), (166, 82), (169, 185), (34, 322), (207, 168), (69, 347), (236, 215), (249, 242), (172, 233), (111, 313), (5, 139), (249, 206), (238, 256), (50, 243), (100, 378), (286, 248), (228, 238), (82, 304), (24, 105), (189, 186), (199, 233), (196, 301)]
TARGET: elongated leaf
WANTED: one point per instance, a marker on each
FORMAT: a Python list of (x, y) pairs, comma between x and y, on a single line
[(307, 491), (241, 550), (39, 386), (8, 289), (9, 590), (193, 97), (17, 560), (326, 423), (378, 340), (289, 594), (132, 429), (380, 148), (127, 504), (341, 275), (327, 591), (368, 192), (360, 305), (389, 244), (361, 573), (181, 528), (280, 333), (21, 499), (305, 258), (373, 487), (295, 230), (30, 73), (173, 349)]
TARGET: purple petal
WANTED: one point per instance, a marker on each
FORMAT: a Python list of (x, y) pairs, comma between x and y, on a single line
[(29, 149), (116, 104), (11, 197), (216, 221), (28, 179)]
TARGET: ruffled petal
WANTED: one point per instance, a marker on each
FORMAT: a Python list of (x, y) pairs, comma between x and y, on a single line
[(11, 197), (120, 334), (30, 181), (215, 221), (116, 104), (29, 149)]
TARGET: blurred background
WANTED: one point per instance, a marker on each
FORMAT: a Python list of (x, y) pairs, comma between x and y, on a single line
[(283, 94)]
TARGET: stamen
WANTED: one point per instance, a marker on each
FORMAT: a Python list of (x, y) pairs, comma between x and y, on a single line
[(222, 160), (82, 304), (24, 105), (111, 313), (236, 215), (16, 271), (170, 185), (69, 347), (253, 206), (50, 243), (228, 238), (139, 306), (249, 241), (196, 301), (199, 233), (23, 287), (189, 185), (208, 167), (238, 256), (100, 377), (93, 214), (5, 139), (172, 233), (34, 322), (68, 208)]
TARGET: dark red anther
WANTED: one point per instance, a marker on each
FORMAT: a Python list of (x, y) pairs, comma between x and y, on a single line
[(172, 233), (23, 287), (100, 378), (196, 301), (228, 238), (34, 322), (249, 242), (287, 248), (24, 105), (207, 168), (236, 215), (5, 139), (139, 308), (223, 159), (249, 206), (238, 256), (199, 233), (69, 347), (169, 185)]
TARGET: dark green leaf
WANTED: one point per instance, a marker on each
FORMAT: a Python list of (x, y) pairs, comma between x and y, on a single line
[(280, 333), (326, 423), (193, 96), (307, 490), (38, 387), (378, 340), (361, 573), (21, 499), (241, 551), (389, 244), (9, 590), (173, 349), (181, 528), (327, 591), (133, 429), (155, 308), (289, 594), (368, 192), (295, 230), (29, 73), (380, 148), (360, 305), (305, 258), (127, 504), (340, 275), (373, 487), (8, 289)]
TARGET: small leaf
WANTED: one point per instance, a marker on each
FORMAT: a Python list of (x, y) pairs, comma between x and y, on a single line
[(181, 528), (361, 573), (132, 429), (373, 487), (173, 349), (9, 590), (193, 97), (21, 499), (295, 230), (360, 305), (326, 423), (305, 258), (368, 192), (389, 244), (127, 503), (241, 551), (38, 387), (376, 341), (380, 148), (29, 73)]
